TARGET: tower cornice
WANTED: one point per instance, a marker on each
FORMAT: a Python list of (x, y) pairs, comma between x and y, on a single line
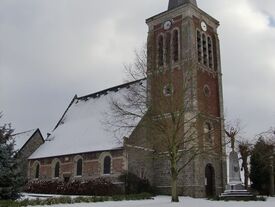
[(182, 9)]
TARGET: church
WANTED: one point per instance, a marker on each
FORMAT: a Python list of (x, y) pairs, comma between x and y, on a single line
[(182, 45)]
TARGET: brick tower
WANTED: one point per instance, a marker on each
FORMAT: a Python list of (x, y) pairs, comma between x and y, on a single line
[(183, 45)]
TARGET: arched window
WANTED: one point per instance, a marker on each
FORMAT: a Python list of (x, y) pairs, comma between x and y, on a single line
[(210, 52), (167, 48), (208, 130), (56, 170), (37, 170), (199, 46), (160, 51), (55, 167), (175, 45), (79, 167), (107, 165), (204, 48)]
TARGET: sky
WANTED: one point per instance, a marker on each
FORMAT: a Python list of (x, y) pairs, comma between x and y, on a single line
[(51, 50)]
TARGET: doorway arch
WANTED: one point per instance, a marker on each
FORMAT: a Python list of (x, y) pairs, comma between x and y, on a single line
[(209, 181)]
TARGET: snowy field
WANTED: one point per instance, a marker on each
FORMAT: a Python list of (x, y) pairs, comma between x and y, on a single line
[(164, 201)]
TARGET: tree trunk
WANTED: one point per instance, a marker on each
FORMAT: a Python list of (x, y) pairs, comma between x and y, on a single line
[(174, 176), (175, 197)]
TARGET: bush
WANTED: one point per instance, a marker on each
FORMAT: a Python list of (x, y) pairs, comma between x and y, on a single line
[(135, 184), (98, 187), (260, 169)]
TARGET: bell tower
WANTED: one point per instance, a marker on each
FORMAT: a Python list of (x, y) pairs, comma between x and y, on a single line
[(183, 45)]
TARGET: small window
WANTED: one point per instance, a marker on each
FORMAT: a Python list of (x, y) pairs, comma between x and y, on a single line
[(160, 51), (175, 46), (57, 170), (208, 130), (79, 167), (107, 165), (168, 90), (37, 170), (206, 91)]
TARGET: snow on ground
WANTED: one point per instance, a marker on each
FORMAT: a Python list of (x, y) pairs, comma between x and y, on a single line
[(164, 201), (33, 196)]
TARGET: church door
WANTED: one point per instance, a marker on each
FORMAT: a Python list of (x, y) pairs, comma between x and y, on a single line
[(209, 181)]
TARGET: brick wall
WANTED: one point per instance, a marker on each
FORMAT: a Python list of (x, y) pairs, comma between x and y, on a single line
[(191, 180), (92, 166), (208, 104)]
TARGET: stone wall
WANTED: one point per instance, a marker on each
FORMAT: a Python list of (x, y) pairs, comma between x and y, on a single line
[(139, 153), (191, 180), (140, 163)]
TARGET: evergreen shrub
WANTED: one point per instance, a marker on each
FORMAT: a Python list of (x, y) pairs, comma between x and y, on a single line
[(134, 184)]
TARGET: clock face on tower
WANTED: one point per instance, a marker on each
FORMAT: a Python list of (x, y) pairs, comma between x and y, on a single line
[(167, 25), (203, 26)]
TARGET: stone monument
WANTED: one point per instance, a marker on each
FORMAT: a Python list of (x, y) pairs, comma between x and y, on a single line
[(235, 190), (235, 182)]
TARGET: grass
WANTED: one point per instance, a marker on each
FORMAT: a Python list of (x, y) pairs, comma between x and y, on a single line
[(70, 200)]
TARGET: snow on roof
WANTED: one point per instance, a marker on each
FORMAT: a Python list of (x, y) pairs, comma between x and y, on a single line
[(82, 128), (22, 138)]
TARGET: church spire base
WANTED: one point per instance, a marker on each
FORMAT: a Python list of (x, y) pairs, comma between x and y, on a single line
[(176, 3)]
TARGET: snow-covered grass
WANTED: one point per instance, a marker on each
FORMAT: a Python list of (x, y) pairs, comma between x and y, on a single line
[(33, 196), (164, 201)]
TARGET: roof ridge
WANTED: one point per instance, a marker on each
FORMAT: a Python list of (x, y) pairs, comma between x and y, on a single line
[(94, 95), (110, 89), (75, 97), (25, 131)]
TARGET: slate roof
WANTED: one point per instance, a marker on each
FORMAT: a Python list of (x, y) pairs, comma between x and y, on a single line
[(81, 128)]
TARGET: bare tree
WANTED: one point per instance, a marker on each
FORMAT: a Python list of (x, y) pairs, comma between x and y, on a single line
[(233, 131), (165, 108)]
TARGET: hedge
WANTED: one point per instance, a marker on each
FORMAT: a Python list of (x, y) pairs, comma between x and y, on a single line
[(97, 187)]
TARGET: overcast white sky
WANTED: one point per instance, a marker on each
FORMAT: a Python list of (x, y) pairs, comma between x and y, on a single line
[(51, 50)]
